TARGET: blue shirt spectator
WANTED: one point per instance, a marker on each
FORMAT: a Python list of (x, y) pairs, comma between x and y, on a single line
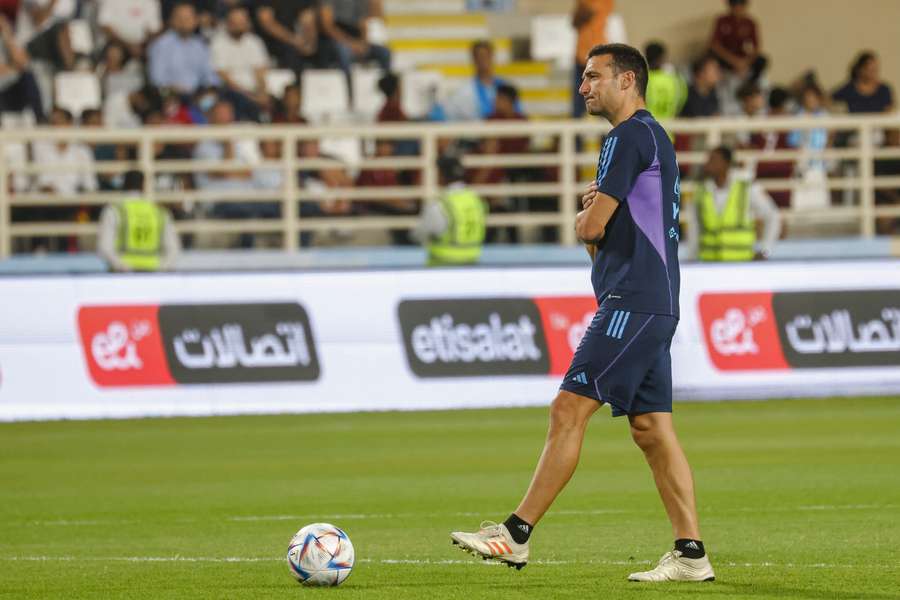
[(180, 58)]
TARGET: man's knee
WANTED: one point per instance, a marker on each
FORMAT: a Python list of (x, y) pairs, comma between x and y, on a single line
[(649, 431), (571, 411)]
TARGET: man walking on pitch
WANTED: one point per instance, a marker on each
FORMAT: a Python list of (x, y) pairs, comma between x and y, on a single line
[(630, 228)]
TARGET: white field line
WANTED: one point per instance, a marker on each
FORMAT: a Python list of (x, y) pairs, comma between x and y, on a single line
[(425, 561), (410, 515), (753, 509)]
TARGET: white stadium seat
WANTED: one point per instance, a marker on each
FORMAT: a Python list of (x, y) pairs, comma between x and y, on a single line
[(325, 95), (553, 38), (367, 98), (77, 91), (278, 79), (419, 90), (81, 37)]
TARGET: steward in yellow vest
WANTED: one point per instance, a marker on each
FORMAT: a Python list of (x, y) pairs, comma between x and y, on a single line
[(139, 240), (729, 235), (453, 229), (666, 90), (724, 214), (137, 234)]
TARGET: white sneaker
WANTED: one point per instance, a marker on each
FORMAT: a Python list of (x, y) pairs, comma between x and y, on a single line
[(675, 567), (493, 542)]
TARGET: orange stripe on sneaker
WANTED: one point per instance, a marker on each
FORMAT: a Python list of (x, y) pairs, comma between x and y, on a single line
[(506, 547), (495, 548)]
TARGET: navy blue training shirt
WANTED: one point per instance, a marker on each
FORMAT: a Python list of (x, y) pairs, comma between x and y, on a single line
[(636, 265)]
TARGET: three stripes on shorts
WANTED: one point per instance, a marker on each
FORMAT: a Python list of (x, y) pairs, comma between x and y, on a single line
[(617, 324)]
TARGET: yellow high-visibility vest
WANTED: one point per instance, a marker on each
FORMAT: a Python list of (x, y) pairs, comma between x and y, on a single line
[(463, 239), (666, 94), (731, 234), (141, 227)]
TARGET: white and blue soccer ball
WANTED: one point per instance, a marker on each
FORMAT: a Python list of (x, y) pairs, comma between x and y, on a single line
[(320, 554)]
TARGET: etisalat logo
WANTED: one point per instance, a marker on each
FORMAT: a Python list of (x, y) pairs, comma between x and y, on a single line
[(473, 337), (801, 330), (192, 343), (859, 328)]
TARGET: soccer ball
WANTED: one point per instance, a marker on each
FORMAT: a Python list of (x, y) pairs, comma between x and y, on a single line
[(320, 554)]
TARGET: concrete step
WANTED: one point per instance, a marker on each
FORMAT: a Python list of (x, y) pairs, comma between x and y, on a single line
[(446, 26), (410, 53), (520, 74), (546, 102), (395, 7)]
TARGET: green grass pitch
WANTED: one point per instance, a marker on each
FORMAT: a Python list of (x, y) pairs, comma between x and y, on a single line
[(797, 499)]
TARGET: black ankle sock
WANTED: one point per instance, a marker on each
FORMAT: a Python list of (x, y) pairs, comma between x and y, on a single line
[(519, 530), (690, 548)]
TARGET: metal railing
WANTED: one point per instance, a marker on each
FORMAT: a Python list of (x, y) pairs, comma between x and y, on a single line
[(570, 148)]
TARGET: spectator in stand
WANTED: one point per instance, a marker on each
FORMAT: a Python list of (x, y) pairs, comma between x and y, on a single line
[(589, 20), (117, 73), (392, 109), (241, 61), (865, 92), (246, 152), (290, 29), (130, 23), (318, 182), (723, 215), (505, 109), (475, 99), (770, 141), (702, 100), (179, 58), (666, 90), (93, 118), (751, 99), (752, 104), (18, 87), (128, 111), (735, 42), (344, 22), (205, 10), (392, 112), (43, 27), (288, 110), (383, 177), (78, 177), (65, 183), (813, 141)]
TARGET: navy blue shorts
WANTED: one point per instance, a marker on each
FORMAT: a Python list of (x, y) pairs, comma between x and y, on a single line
[(623, 360)]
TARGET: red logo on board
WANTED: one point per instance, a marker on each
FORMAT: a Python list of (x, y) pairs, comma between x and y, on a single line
[(740, 331), (565, 319), (122, 345)]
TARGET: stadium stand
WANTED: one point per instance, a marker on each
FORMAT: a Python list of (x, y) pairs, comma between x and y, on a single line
[(431, 53)]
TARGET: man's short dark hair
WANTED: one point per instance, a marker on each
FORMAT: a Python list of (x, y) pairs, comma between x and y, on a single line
[(701, 62), (655, 53), (66, 113), (388, 84), (625, 58), (747, 90), (87, 113), (725, 152), (734, 3), (778, 97), (509, 91), (133, 181)]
